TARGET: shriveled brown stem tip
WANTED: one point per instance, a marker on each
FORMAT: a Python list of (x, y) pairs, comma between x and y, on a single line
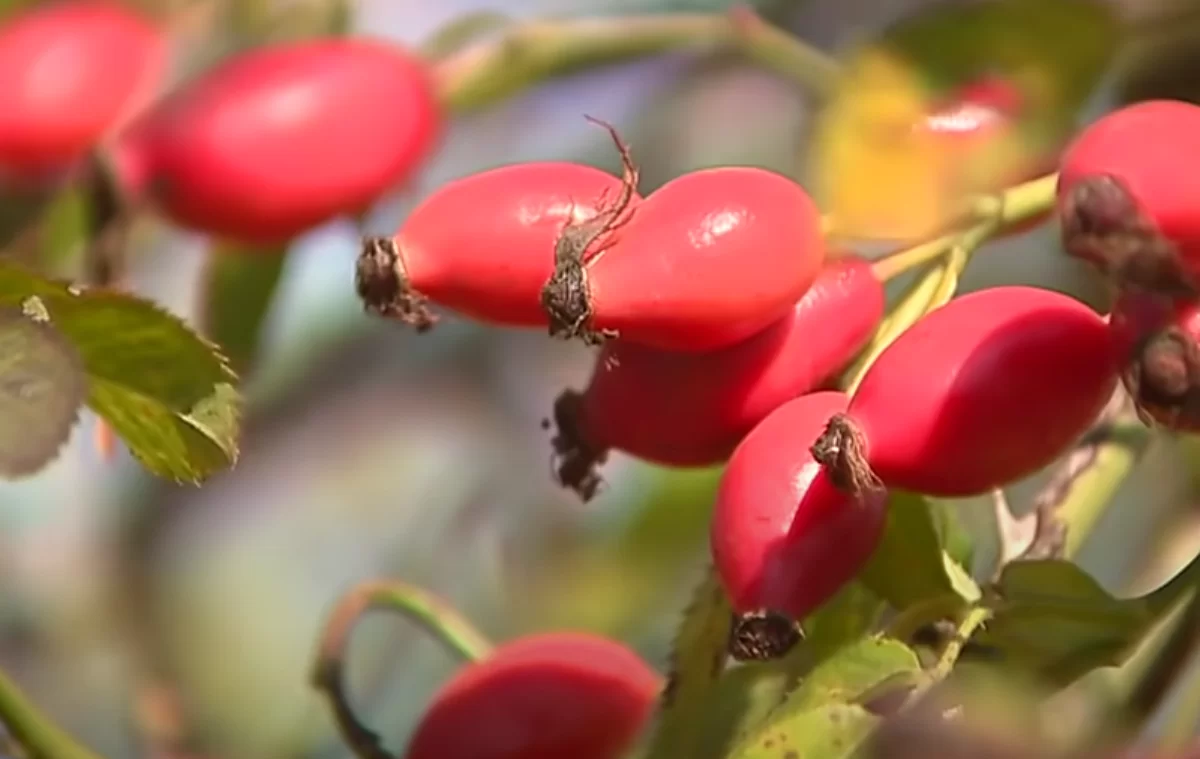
[(383, 286), (763, 635), (842, 450), (575, 459)]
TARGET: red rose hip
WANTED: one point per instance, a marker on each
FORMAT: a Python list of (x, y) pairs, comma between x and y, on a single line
[(544, 696), (784, 538), (692, 409), (707, 260), (1128, 200), (987, 389), (280, 139), (1162, 373), (70, 73), (483, 245)]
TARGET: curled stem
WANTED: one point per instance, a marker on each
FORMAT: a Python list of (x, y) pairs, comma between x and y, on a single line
[(428, 611), (485, 72), (36, 733)]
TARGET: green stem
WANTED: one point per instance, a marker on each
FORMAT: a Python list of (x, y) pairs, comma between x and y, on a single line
[(486, 72), (429, 612), (972, 621), (40, 737)]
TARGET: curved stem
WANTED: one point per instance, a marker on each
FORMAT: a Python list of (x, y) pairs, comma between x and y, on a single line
[(429, 612), (485, 72), (39, 736)]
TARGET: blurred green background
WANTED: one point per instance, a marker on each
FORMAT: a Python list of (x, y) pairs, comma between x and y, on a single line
[(126, 603)]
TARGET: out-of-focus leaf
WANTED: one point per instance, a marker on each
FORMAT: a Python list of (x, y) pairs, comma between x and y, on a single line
[(887, 161), (1163, 60), (910, 565), (42, 386), (238, 288), (167, 392), (957, 541), (63, 228), (824, 716), (1053, 619), (698, 657), (849, 615), (741, 700)]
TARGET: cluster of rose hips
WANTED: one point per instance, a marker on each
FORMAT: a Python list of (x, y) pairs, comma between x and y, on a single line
[(721, 315)]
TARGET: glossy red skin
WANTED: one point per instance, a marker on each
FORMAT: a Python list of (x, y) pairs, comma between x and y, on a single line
[(545, 696), (692, 409), (783, 538), (988, 389), (70, 73), (708, 259), (280, 139), (1147, 147), (483, 245)]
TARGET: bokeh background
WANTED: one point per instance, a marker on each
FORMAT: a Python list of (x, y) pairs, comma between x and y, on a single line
[(129, 606)]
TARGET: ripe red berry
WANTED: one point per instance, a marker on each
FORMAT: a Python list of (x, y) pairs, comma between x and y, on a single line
[(987, 389), (277, 140), (1162, 372), (544, 696), (692, 409), (784, 539), (70, 73), (1128, 202), (483, 245), (707, 260)]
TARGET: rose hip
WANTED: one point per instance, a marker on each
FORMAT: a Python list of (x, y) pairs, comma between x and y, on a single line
[(987, 389), (1127, 203), (280, 139), (784, 538), (543, 696), (707, 260), (1162, 372), (70, 73), (483, 245), (692, 409)]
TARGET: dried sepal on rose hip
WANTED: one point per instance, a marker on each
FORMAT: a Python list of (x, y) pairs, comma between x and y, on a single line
[(561, 694), (692, 409), (1127, 204), (71, 72), (707, 260), (784, 538), (1162, 371), (277, 140), (483, 245), (987, 389)]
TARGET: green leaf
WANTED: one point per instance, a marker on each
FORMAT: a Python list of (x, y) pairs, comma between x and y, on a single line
[(42, 387), (849, 615), (167, 392), (1051, 618), (238, 288), (824, 716), (910, 566), (698, 658), (741, 700)]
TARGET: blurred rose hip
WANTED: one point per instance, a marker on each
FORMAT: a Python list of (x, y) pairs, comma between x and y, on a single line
[(692, 409), (544, 696), (71, 72), (784, 538), (987, 389), (280, 139), (483, 245), (1128, 200), (707, 260)]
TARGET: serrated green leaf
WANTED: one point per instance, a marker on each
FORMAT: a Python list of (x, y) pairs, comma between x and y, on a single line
[(741, 700), (849, 615), (42, 387), (166, 391), (1051, 618), (698, 657), (238, 287), (823, 717), (910, 566)]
